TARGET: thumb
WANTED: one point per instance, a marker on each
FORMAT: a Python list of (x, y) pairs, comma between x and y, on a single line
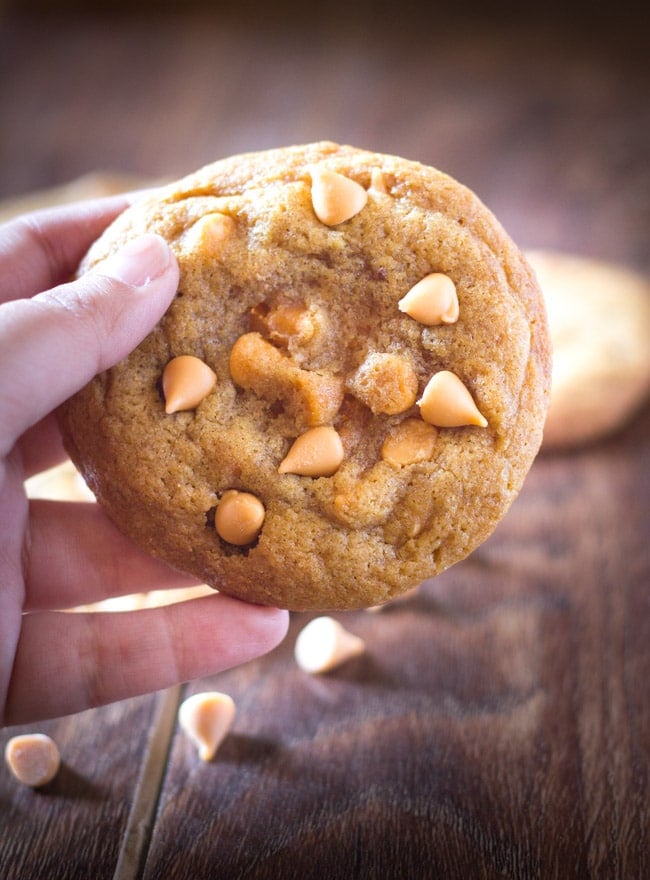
[(53, 344)]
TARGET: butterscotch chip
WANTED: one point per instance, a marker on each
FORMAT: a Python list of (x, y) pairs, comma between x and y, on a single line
[(299, 318), (186, 381), (447, 403), (324, 643), (33, 758), (335, 197), (316, 453), (431, 301), (239, 517), (206, 718)]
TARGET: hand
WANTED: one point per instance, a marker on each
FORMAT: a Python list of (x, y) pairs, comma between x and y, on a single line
[(56, 555)]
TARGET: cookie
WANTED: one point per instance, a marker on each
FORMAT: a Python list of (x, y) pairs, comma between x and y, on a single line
[(364, 378), (599, 320)]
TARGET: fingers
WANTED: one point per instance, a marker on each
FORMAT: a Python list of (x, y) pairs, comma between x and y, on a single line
[(43, 249), (53, 344), (41, 446), (75, 556), (69, 662)]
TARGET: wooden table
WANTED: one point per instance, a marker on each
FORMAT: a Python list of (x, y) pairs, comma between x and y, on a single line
[(499, 723)]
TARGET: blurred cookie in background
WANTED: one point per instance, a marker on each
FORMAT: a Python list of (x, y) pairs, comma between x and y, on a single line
[(599, 318), (94, 185)]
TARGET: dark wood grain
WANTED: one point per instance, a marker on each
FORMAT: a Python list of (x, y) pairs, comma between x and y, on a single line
[(547, 121), (73, 827), (137, 833), (499, 723)]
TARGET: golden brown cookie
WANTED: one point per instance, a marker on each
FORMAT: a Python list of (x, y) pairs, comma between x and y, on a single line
[(599, 320), (365, 379)]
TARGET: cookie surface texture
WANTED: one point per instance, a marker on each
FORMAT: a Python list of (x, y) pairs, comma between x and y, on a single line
[(349, 447)]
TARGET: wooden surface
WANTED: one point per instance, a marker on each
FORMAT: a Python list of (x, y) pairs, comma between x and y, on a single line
[(499, 723)]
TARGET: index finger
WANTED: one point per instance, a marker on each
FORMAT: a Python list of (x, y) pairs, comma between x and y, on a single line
[(67, 662), (43, 249)]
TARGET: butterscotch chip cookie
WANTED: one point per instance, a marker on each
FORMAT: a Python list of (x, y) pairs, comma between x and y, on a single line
[(295, 264), (599, 320)]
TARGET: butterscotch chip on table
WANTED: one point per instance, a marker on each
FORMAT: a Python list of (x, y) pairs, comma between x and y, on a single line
[(599, 318), (318, 455), (33, 758), (324, 643), (206, 718)]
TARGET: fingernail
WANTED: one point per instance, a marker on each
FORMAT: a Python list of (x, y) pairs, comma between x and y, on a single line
[(138, 262)]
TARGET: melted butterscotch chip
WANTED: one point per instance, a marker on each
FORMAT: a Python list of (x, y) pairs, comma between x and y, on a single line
[(366, 499), (313, 397), (186, 381), (209, 234), (410, 442), (335, 198), (284, 323), (447, 403), (385, 382)]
